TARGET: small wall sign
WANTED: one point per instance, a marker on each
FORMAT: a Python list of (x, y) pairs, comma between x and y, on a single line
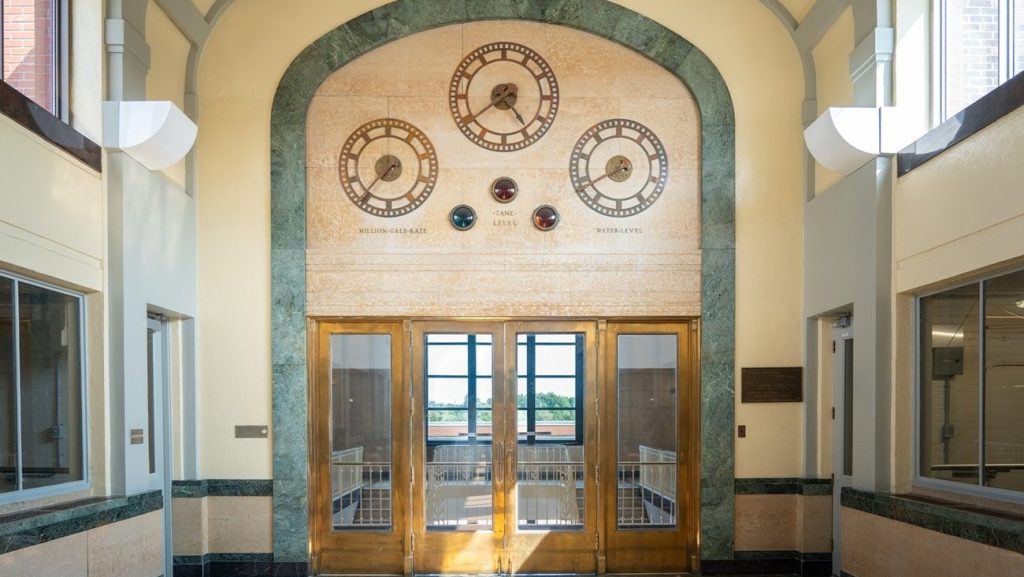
[(772, 385)]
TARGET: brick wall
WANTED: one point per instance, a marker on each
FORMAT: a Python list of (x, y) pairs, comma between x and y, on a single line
[(972, 51), (28, 48)]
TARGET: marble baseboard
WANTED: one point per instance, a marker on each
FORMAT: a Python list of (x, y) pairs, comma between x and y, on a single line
[(236, 565), (771, 563), (197, 489), (1002, 530), (783, 486), (37, 526)]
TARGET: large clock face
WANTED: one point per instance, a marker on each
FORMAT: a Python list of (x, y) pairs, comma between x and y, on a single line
[(388, 167), (503, 96), (618, 167)]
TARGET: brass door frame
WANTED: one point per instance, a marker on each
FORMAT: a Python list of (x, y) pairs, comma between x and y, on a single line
[(569, 551), (655, 550), (456, 551), (356, 551), (630, 550)]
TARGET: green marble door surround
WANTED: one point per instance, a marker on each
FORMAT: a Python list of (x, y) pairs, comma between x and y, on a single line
[(288, 233)]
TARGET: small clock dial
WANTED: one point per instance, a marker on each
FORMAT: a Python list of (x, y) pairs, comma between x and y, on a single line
[(388, 167), (504, 96), (619, 167)]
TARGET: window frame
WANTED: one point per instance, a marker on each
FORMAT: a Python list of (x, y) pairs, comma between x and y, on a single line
[(1006, 56), (20, 495), (917, 479)]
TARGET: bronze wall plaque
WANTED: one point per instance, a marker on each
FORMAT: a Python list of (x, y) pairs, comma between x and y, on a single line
[(772, 385)]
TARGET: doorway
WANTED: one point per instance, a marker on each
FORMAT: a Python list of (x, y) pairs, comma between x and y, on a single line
[(842, 431), (504, 446)]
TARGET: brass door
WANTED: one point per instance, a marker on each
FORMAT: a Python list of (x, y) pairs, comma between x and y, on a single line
[(457, 423), (551, 455), (504, 447), (359, 438), (650, 444)]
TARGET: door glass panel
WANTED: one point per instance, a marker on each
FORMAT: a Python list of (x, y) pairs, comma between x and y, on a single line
[(549, 476), (848, 407), (361, 431), (646, 384), (459, 465)]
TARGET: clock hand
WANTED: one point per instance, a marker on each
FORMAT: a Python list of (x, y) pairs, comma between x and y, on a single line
[(519, 117), (621, 168), (391, 166), (495, 100)]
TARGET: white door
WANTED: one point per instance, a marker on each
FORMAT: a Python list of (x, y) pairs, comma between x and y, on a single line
[(842, 429)]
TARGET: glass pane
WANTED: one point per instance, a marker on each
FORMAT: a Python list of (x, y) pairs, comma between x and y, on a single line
[(447, 392), (8, 407), (1004, 382), (549, 476), (848, 406), (447, 425), (361, 431), (556, 360), (971, 51), (151, 377), (51, 388), (949, 385), (483, 359), (556, 393), (448, 359), (484, 392), (646, 391), (556, 424), (459, 468), (28, 49)]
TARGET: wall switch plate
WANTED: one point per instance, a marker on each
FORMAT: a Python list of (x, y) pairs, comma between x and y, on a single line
[(136, 436), (742, 431)]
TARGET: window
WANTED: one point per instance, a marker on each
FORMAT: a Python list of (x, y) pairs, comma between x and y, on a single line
[(981, 45), (549, 387), (972, 386), (459, 383), (42, 419), (33, 50)]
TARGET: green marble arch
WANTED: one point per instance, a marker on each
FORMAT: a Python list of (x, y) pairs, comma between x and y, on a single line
[(288, 239)]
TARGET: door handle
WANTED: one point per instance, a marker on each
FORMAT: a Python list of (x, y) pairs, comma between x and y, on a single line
[(496, 462), (509, 463)]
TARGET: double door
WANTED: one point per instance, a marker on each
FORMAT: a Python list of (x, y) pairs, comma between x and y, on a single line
[(503, 447)]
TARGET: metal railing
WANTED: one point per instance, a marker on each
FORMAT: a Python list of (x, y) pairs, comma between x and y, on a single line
[(361, 492), (549, 494), (458, 495), (646, 493)]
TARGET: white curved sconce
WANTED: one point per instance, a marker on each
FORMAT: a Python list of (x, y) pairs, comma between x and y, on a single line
[(156, 134), (844, 139)]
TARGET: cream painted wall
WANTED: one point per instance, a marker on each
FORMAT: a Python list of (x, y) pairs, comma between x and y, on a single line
[(963, 211), (51, 211), (798, 8), (239, 73), (87, 90), (834, 87), (167, 59)]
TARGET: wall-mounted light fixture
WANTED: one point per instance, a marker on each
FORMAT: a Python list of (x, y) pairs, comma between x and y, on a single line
[(843, 139), (156, 134)]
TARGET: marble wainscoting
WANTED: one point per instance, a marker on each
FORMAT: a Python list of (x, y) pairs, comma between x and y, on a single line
[(915, 536), (783, 527), (94, 537), (224, 527)]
